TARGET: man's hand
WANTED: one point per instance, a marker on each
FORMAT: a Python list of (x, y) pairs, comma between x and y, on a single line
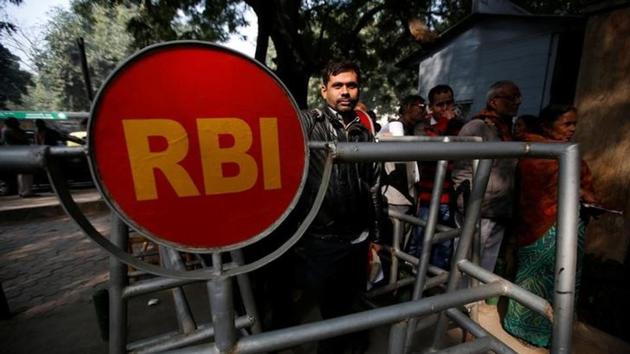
[(449, 114), (377, 247)]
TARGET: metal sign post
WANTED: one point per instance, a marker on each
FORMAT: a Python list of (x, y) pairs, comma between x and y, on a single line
[(200, 149)]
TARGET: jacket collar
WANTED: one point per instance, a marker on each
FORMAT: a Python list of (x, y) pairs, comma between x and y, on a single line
[(338, 117)]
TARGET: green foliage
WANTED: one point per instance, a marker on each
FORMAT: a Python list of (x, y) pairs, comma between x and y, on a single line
[(375, 34), (448, 13), (158, 21), (13, 81), (59, 84), (296, 39), (379, 46), (7, 26)]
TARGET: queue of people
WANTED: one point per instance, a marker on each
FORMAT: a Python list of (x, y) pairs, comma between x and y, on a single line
[(520, 200)]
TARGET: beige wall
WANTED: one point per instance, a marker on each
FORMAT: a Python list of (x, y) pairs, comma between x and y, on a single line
[(603, 102)]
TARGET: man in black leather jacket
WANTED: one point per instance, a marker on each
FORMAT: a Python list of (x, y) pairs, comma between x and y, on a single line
[(329, 264), (352, 201)]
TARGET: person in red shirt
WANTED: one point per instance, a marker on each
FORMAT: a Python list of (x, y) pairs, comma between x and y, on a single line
[(445, 115), (444, 120), (367, 117)]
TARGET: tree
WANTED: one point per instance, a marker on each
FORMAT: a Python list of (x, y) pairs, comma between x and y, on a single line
[(5, 25), (59, 82), (308, 34), (13, 80), (305, 34), (158, 21)]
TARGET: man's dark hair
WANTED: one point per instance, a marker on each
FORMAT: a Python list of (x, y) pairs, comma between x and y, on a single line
[(335, 67), (439, 89), (408, 101)]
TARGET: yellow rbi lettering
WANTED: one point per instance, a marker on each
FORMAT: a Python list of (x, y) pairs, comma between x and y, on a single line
[(213, 156), (270, 148), (143, 161)]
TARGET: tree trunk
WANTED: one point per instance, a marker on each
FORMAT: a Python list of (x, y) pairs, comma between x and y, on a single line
[(280, 20), (262, 41), (297, 83)]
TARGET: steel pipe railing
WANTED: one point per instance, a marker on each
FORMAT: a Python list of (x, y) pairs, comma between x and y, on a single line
[(434, 151), (28, 159), (117, 282), (516, 292), (476, 330), (427, 241), (288, 337), (566, 249), (152, 285), (472, 215), (174, 340), (172, 259)]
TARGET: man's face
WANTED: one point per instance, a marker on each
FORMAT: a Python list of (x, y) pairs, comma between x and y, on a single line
[(507, 101), (342, 91), (442, 104)]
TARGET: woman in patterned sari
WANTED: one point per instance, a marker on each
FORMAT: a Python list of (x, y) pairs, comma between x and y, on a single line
[(535, 225)]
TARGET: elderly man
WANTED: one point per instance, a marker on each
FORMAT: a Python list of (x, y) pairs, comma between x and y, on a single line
[(494, 123)]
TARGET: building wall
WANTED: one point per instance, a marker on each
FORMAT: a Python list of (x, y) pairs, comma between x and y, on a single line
[(521, 57), (455, 65), (493, 51), (603, 102)]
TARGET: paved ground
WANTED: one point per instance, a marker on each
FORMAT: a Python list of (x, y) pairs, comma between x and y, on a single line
[(50, 271), (48, 263)]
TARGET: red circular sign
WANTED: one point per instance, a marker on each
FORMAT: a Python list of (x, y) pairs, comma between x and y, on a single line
[(197, 147)]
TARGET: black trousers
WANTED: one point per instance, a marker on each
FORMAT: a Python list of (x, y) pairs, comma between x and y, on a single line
[(327, 274)]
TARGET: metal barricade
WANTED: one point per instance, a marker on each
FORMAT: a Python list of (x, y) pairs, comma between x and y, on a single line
[(430, 225), (219, 275), (420, 266), (120, 292)]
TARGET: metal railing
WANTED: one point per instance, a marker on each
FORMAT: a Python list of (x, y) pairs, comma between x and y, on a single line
[(399, 316)]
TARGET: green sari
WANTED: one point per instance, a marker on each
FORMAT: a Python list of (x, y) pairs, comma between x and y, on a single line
[(535, 273)]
